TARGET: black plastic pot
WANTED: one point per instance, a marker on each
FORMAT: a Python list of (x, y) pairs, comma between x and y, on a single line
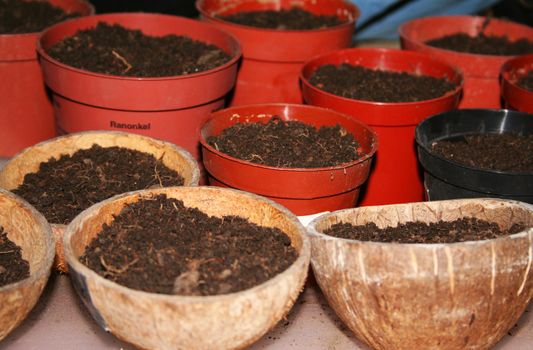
[(445, 179)]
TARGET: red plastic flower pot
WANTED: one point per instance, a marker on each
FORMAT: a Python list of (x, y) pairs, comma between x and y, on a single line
[(302, 190), (169, 108), (517, 97), (481, 72), (26, 113), (272, 59), (395, 177)]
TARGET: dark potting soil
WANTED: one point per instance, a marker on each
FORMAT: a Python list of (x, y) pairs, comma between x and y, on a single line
[(17, 16), (292, 19), (13, 267), (115, 50), (288, 144), (526, 81), (504, 152), (360, 83), (461, 230), (158, 245), (482, 44), (63, 187)]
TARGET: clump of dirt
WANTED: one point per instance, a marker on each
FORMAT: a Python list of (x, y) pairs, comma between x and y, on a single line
[(158, 245), (288, 144), (460, 230), (63, 187), (18, 17), (504, 152), (483, 44), (115, 50), (361, 83), (295, 18)]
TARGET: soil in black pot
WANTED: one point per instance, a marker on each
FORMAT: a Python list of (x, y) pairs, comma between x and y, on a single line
[(503, 152), (293, 19), (288, 144), (17, 16), (360, 83), (160, 246), (526, 81), (13, 267), (63, 187), (115, 50), (460, 230), (483, 44)]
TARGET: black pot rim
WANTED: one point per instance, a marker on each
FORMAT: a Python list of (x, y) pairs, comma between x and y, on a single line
[(428, 149), (472, 178)]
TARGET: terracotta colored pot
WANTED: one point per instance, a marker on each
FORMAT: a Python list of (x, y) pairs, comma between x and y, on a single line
[(427, 296), (481, 72), (158, 321), (26, 115), (29, 160), (28, 229), (395, 176), (168, 108), (272, 59), (302, 190), (447, 179), (516, 97)]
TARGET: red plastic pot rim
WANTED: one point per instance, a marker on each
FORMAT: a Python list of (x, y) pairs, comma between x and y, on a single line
[(280, 169), (351, 13), (90, 22), (515, 68), (405, 27), (347, 55), (283, 46), (21, 46), (275, 197), (9, 43), (57, 3), (260, 31), (261, 107), (118, 77)]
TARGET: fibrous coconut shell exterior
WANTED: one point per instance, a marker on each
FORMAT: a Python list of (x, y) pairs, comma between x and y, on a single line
[(427, 296), (28, 229), (157, 321), (28, 161)]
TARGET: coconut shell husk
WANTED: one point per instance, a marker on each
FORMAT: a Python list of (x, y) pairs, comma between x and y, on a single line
[(28, 161), (155, 321), (427, 296), (29, 230)]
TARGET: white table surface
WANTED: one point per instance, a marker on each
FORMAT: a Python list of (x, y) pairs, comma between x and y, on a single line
[(60, 321)]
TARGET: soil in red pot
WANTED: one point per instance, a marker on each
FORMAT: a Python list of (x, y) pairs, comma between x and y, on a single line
[(288, 144), (17, 16), (292, 19), (504, 152), (360, 83), (13, 267), (483, 44), (63, 187), (115, 50), (460, 230), (160, 246), (526, 81)]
